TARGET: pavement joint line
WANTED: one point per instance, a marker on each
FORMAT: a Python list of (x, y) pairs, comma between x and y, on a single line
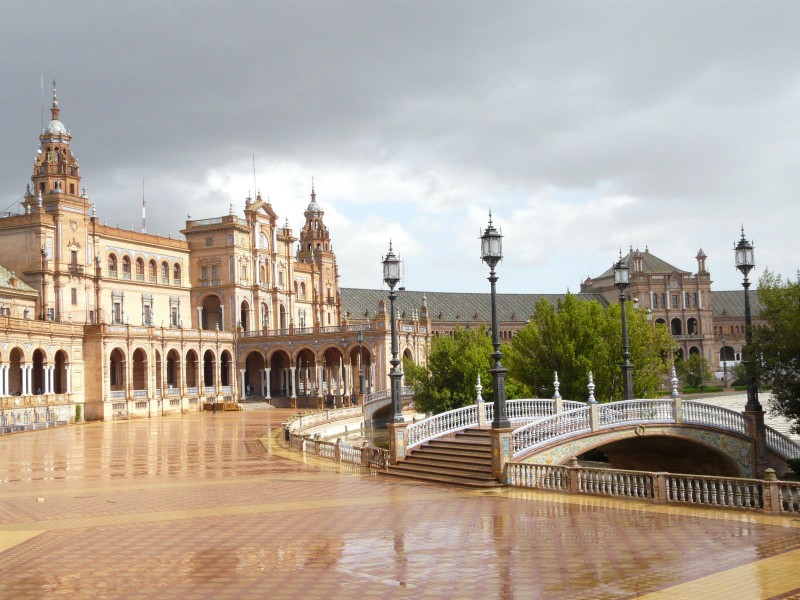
[(757, 580)]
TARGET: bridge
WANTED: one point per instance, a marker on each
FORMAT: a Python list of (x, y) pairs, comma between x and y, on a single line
[(378, 405), (670, 434)]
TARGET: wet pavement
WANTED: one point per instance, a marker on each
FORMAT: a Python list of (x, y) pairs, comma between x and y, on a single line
[(195, 506)]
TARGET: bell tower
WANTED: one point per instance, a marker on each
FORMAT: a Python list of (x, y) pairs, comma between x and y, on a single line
[(56, 172)]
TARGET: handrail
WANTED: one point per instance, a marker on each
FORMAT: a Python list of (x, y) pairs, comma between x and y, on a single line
[(782, 445), (405, 390), (441, 424), (636, 411), (715, 416), (529, 436)]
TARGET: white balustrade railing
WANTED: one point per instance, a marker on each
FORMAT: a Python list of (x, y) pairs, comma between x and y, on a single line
[(140, 393), (715, 416), (627, 484), (714, 491), (192, 390), (572, 404), (636, 411), (441, 424), (782, 445), (527, 409), (529, 436), (543, 477), (387, 393), (117, 394)]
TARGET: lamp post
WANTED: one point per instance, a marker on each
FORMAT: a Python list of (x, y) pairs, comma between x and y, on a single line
[(621, 280), (491, 254), (723, 356), (391, 275), (360, 338), (745, 262)]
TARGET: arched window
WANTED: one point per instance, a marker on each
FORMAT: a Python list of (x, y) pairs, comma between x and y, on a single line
[(677, 327), (302, 290), (112, 265), (153, 271), (176, 274), (126, 267), (165, 272), (139, 269)]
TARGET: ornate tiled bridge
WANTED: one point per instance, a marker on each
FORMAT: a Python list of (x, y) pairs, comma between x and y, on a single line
[(653, 435)]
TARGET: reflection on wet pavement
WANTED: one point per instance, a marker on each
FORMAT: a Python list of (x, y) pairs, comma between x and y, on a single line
[(197, 506)]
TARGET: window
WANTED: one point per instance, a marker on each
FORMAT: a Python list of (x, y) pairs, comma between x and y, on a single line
[(215, 274), (153, 272), (664, 301), (139, 269), (654, 300), (147, 315), (51, 314), (116, 313), (243, 270), (675, 301), (209, 241), (302, 319), (126, 267), (203, 273), (174, 311), (165, 272), (694, 300), (176, 274), (74, 293), (73, 259), (112, 265)]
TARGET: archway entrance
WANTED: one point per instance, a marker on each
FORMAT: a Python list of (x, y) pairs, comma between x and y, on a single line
[(139, 374), (192, 382), (116, 370), (279, 374), (253, 369), (211, 313), (209, 380), (173, 370), (60, 375)]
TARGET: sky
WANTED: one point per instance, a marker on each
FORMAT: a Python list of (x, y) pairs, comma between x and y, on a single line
[(585, 127)]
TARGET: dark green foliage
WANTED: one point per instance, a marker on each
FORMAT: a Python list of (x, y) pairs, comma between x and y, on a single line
[(693, 371)]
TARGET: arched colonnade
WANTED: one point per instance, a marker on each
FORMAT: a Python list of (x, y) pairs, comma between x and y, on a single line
[(35, 371)]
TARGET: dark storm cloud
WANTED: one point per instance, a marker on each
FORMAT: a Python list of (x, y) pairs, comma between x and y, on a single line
[(687, 108)]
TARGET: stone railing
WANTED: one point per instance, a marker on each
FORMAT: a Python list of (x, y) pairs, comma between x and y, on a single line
[(596, 417), (340, 452), (767, 495), (441, 424), (781, 444), (715, 416), (387, 393)]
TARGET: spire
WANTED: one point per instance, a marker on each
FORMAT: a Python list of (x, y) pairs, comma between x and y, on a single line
[(313, 193), (54, 110)]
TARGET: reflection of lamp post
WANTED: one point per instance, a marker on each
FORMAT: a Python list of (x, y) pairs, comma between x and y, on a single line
[(360, 338), (391, 275), (745, 262), (491, 254), (621, 275)]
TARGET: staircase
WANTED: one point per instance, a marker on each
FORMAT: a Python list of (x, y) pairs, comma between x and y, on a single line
[(464, 459)]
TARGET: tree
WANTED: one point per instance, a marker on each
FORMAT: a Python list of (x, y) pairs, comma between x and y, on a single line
[(448, 381), (577, 336), (777, 343), (693, 371)]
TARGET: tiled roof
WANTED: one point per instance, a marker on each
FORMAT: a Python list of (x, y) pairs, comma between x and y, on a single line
[(650, 264), (5, 282), (732, 303), (449, 306)]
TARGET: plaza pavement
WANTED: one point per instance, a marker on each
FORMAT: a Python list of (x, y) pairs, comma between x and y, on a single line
[(197, 506)]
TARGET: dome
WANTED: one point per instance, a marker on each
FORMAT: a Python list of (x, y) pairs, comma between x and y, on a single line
[(56, 127), (313, 207)]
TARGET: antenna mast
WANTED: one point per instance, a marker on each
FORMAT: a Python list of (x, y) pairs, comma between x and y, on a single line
[(144, 206)]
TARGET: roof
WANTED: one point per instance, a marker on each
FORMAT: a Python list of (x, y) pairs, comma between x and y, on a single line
[(650, 264), (449, 306), (5, 282), (732, 303)]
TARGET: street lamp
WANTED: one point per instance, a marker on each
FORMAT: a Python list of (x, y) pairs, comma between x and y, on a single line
[(491, 254), (391, 275), (360, 338), (724, 357), (621, 280), (745, 262)]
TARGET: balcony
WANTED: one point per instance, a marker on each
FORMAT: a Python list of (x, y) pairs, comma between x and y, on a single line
[(76, 269)]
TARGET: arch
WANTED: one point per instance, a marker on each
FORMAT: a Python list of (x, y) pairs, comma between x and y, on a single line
[(173, 369), (253, 369), (159, 369), (225, 368), (60, 372), (361, 361), (126, 267), (152, 271), (727, 354), (679, 354), (661, 321), (244, 313), (176, 274), (296, 289), (691, 326), (38, 384), (279, 373), (211, 314), (694, 350), (112, 265), (209, 371), (407, 354), (16, 359), (165, 272), (140, 269), (676, 326), (306, 372), (333, 374), (191, 370), (116, 370), (282, 315), (139, 370), (302, 290)]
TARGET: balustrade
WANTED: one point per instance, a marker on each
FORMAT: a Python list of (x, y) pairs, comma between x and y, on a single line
[(715, 416)]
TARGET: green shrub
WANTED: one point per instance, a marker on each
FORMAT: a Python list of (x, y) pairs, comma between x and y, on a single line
[(691, 390), (78, 413), (711, 388), (740, 388)]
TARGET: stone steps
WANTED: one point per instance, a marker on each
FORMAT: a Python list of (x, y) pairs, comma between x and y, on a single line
[(464, 459)]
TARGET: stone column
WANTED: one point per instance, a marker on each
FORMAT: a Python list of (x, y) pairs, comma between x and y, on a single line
[(267, 377), (502, 450), (199, 317), (243, 389), (292, 390), (29, 380), (397, 442), (51, 379), (68, 373), (3, 384)]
